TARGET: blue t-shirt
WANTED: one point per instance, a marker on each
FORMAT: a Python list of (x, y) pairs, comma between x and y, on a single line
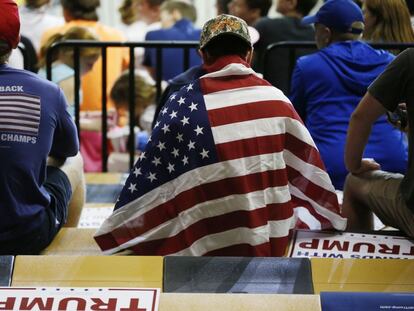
[(173, 59), (34, 123), (327, 87)]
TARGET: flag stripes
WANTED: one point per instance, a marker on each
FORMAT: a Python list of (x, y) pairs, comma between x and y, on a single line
[(19, 113)]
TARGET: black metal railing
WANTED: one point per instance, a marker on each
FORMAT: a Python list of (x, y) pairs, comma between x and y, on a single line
[(310, 46), (186, 46)]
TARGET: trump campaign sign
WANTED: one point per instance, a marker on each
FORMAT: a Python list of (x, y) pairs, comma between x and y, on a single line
[(327, 244), (80, 299)]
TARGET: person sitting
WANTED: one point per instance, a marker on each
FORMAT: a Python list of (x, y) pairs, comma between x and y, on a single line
[(251, 11), (84, 13), (285, 28), (145, 92), (177, 17), (229, 170), (327, 86), (369, 187), (41, 172), (63, 60), (387, 21), (35, 20)]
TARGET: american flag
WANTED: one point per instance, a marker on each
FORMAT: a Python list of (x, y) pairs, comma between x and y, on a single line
[(230, 169), (19, 113)]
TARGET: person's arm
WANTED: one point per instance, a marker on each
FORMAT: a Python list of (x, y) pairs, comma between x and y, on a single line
[(65, 139), (362, 119)]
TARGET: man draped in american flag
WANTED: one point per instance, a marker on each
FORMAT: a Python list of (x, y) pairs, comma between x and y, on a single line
[(229, 169)]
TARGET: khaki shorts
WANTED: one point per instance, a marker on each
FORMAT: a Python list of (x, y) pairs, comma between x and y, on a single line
[(385, 200)]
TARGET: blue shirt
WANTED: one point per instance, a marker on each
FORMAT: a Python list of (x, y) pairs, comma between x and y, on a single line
[(326, 88), (173, 59), (34, 123)]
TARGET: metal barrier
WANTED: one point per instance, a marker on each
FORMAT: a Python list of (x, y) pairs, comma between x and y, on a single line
[(78, 44), (294, 46), (28, 53)]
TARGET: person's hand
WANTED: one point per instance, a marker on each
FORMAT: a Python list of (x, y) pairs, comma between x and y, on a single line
[(366, 166)]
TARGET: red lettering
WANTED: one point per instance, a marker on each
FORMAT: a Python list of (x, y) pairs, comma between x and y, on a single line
[(100, 305), (8, 304), (370, 247), (411, 253), (335, 244), (37, 304), (385, 249), (310, 245), (133, 306), (81, 304)]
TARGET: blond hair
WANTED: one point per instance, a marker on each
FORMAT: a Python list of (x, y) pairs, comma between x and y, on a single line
[(128, 12), (392, 21), (73, 33)]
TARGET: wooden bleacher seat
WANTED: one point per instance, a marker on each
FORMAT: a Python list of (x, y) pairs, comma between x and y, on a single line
[(73, 241), (238, 302), (6, 269), (88, 271), (237, 275), (362, 275)]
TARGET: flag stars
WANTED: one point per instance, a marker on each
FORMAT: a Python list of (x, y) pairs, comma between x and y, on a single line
[(199, 130), (193, 107), (185, 160), (164, 111), (180, 137), (132, 187), (189, 87), (161, 145), (170, 168), (156, 161), (204, 154), (137, 171), (184, 121), (142, 156), (152, 177), (165, 128), (172, 97), (175, 152), (173, 114), (191, 145), (181, 101), (157, 124)]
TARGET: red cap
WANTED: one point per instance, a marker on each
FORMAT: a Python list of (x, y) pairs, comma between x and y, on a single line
[(9, 23)]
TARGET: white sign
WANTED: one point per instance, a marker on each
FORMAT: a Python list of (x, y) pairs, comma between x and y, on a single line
[(350, 245), (79, 299)]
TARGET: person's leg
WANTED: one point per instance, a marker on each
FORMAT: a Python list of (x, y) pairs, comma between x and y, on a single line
[(376, 192), (354, 205), (73, 169)]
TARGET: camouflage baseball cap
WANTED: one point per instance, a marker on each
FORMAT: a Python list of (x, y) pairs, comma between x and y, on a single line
[(224, 25)]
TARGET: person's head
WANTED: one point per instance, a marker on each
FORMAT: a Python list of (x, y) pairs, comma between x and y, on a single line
[(296, 8), (145, 93), (175, 10), (149, 10), (129, 11), (225, 35), (387, 21), (80, 9), (88, 55), (9, 29), (249, 10), (35, 4), (336, 20), (222, 6)]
